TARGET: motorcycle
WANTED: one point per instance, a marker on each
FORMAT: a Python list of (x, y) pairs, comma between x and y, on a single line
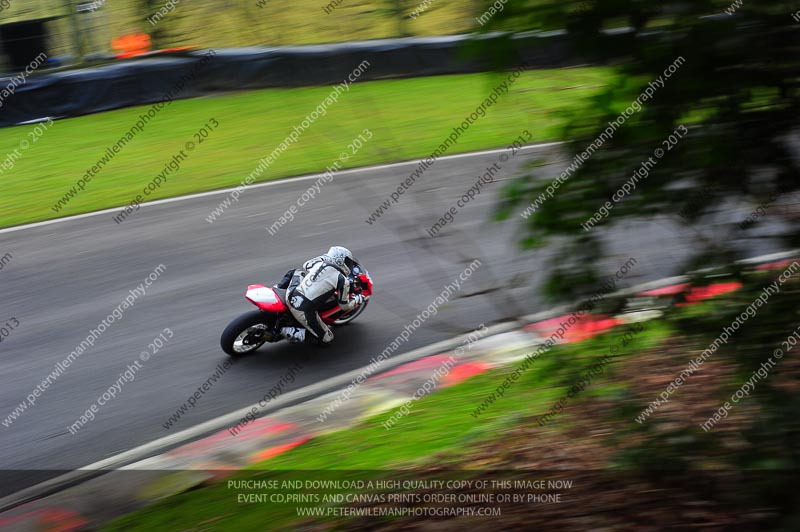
[(250, 331)]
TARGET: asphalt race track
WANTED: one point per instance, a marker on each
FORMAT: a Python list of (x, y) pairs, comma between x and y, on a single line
[(64, 278)]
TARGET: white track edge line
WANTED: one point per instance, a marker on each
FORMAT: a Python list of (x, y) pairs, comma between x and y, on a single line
[(279, 181)]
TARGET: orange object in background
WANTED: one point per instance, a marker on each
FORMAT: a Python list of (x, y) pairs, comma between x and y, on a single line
[(131, 45)]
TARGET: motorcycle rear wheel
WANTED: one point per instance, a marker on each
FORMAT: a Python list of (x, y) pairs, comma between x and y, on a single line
[(245, 334)]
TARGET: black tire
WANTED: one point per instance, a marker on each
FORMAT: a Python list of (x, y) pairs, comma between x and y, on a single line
[(237, 327)]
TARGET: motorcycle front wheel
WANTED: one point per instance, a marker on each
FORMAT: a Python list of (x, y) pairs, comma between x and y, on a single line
[(353, 314)]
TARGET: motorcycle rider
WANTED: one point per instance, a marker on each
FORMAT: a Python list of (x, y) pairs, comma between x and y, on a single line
[(322, 276)]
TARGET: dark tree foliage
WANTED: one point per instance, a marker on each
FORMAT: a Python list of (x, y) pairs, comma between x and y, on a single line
[(737, 95), (736, 92)]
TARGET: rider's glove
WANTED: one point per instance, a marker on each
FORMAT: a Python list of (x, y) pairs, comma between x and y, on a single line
[(357, 300)]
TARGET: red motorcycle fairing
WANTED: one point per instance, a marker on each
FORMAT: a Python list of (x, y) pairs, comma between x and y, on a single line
[(366, 283), (265, 298), (329, 316), (268, 300), (363, 286)]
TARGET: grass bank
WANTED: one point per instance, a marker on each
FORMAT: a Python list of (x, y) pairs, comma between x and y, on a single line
[(408, 119)]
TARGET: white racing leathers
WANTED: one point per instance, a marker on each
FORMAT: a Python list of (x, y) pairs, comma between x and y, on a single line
[(322, 278)]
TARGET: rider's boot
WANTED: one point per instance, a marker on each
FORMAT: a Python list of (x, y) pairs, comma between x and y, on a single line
[(294, 335)]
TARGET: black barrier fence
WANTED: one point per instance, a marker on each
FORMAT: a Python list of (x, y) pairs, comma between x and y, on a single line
[(145, 80)]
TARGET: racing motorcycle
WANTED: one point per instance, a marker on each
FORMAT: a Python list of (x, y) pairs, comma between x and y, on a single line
[(250, 331)]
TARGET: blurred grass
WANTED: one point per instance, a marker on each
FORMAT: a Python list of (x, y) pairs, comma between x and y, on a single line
[(437, 424), (409, 118)]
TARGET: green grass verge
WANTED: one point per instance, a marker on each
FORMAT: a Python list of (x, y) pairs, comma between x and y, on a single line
[(438, 423), (408, 118)]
